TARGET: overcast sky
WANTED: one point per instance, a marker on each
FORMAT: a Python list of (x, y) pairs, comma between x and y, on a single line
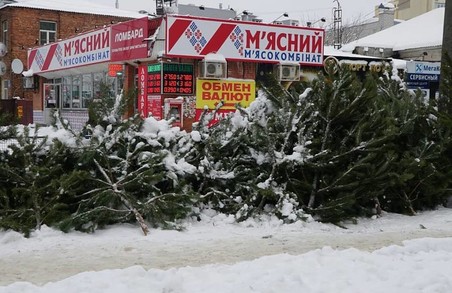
[(302, 10)]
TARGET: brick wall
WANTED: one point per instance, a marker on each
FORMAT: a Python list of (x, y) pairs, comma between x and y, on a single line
[(23, 27)]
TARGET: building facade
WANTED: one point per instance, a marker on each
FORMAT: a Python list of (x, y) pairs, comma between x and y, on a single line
[(29, 24), (180, 66), (407, 9), (190, 66), (419, 38)]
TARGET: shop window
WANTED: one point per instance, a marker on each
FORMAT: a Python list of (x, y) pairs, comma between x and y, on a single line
[(71, 92), (47, 32), (66, 92), (87, 89), (75, 91), (79, 90)]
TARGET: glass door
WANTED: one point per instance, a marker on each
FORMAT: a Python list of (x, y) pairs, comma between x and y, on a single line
[(52, 95)]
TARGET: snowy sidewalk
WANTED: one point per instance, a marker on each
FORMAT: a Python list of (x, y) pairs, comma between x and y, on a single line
[(50, 256)]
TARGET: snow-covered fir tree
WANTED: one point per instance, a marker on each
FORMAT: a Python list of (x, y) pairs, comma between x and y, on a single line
[(340, 147)]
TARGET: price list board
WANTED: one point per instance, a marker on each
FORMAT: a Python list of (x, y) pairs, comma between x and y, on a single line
[(154, 80), (177, 78), (170, 78)]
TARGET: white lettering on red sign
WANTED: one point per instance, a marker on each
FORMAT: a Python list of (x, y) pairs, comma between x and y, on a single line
[(129, 35)]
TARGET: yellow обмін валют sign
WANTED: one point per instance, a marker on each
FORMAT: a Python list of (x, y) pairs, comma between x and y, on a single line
[(211, 92)]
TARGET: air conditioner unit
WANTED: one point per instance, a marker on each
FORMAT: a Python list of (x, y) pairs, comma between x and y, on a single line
[(214, 69), (288, 72)]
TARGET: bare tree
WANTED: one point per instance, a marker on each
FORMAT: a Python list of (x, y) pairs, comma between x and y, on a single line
[(351, 31)]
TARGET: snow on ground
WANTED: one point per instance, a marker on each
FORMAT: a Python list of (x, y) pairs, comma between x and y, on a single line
[(216, 254)]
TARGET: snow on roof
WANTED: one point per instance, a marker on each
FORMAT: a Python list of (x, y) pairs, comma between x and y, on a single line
[(388, 5), (399, 63), (425, 30), (331, 51), (78, 6)]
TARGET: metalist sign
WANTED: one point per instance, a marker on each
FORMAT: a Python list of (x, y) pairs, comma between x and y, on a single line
[(417, 71)]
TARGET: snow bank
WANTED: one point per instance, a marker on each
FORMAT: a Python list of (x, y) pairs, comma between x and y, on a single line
[(420, 266)]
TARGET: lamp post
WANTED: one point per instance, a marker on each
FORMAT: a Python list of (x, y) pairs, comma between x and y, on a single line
[(285, 14), (243, 15), (310, 24)]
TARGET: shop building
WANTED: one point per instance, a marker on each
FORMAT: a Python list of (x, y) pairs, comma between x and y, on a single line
[(28, 24), (419, 38), (181, 65), (407, 9)]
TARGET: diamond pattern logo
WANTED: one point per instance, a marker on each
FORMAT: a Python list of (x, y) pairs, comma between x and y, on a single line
[(193, 26), (188, 33), (203, 41), (198, 47), (195, 37), (198, 41), (193, 41), (39, 60), (236, 38), (59, 55), (198, 34)]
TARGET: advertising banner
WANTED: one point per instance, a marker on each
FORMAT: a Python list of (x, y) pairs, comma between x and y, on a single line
[(420, 67), (211, 92), (143, 107), (117, 43), (419, 71), (243, 41), (155, 106), (424, 76), (85, 49), (219, 115), (128, 40)]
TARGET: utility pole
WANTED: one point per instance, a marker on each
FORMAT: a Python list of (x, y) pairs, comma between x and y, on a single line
[(447, 33), (446, 85), (337, 25)]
